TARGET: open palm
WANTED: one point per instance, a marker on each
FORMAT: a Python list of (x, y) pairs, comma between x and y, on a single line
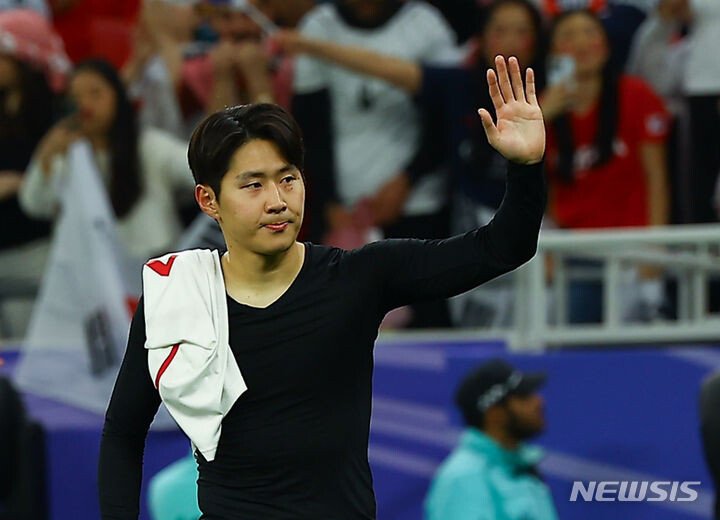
[(519, 133)]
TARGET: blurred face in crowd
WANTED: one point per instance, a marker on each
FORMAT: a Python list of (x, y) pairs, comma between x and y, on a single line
[(525, 415), (510, 32), (369, 11), (9, 74), (95, 100), (581, 36), (262, 199)]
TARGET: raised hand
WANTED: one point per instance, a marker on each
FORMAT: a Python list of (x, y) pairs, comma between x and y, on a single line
[(519, 133)]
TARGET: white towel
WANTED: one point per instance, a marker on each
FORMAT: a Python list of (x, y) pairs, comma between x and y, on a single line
[(189, 356)]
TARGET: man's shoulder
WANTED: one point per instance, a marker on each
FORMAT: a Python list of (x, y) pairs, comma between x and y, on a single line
[(462, 464), (421, 11), (322, 16)]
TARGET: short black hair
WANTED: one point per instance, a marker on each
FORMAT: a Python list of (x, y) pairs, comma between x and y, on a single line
[(219, 136)]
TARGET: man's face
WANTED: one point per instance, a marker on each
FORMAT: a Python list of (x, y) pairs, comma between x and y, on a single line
[(525, 416), (262, 198)]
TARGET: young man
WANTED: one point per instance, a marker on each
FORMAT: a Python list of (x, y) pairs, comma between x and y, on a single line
[(492, 474), (303, 318)]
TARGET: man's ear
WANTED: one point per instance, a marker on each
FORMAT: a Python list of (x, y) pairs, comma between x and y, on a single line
[(205, 197)]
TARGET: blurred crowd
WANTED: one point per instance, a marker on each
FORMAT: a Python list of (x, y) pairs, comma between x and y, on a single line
[(386, 92)]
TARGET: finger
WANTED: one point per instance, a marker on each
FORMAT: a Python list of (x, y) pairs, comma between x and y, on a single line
[(494, 90), (530, 87), (491, 130), (504, 79), (516, 78)]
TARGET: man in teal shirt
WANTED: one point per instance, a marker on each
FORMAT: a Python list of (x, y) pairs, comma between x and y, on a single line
[(491, 474)]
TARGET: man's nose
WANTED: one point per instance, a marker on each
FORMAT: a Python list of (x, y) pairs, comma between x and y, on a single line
[(275, 202)]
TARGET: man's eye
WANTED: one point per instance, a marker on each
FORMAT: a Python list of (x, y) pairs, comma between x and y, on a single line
[(253, 186), (289, 179)]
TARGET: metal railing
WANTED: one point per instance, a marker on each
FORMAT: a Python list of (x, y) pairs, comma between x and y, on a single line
[(689, 254)]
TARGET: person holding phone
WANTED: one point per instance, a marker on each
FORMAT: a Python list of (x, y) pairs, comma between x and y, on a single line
[(606, 146), (143, 170)]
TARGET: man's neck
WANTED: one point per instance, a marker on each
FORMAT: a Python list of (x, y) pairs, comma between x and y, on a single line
[(246, 268), (503, 438)]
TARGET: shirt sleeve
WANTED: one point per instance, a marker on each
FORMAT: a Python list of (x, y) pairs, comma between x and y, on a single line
[(415, 270), (167, 155), (132, 407), (38, 194), (650, 53), (651, 116)]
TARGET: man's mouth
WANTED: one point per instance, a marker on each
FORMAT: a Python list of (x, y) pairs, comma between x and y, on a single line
[(277, 226)]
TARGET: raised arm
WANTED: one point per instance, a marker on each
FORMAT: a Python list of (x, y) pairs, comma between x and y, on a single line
[(404, 74), (413, 270), (132, 407)]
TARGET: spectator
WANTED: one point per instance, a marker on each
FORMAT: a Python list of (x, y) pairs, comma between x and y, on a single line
[(606, 142), (373, 128), (702, 86), (177, 79), (92, 28), (151, 73), (27, 107), (234, 70), (39, 6), (492, 474), (659, 56), (450, 96), (620, 17), (33, 66), (143, 170)]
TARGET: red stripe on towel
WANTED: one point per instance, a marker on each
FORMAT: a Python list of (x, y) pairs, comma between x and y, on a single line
[(166, 364)]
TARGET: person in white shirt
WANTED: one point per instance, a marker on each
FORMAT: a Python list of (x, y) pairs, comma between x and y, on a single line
[(362, 134), (688, 68), (143, 170)]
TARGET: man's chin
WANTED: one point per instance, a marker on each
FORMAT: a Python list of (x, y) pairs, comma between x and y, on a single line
[(276, 245)]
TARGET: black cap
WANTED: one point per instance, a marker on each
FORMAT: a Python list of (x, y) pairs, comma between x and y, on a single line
[(489, 384)]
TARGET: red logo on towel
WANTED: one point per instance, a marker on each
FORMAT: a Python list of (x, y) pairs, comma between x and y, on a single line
[(163, 269)]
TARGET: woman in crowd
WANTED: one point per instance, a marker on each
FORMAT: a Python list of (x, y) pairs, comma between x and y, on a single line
[(143, 170), (606, 144)]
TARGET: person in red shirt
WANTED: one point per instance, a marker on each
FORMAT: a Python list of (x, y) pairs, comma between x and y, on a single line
[(606, 135), (605, 156)]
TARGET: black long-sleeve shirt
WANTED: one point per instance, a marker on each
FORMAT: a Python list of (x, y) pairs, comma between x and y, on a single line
[(294, 445)]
